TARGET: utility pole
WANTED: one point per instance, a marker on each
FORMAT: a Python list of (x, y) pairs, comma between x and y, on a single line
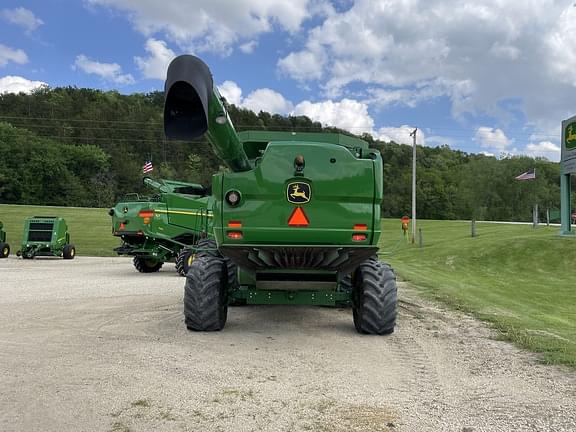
[(413, 134)]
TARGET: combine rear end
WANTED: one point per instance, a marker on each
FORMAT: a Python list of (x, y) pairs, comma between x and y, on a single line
[(299, 214), (46, 236), (162, 228), (4, 246)]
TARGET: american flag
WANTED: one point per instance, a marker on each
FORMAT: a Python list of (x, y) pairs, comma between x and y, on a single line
[(528, 175), (147, 167)]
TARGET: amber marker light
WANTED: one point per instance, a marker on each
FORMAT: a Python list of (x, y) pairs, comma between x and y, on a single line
[(234, 224), (360, 227), (146, 215)]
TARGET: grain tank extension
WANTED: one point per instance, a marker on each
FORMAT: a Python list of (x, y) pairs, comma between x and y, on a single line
[(299, 214)]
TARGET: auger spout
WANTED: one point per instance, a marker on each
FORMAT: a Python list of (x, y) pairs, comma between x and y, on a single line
[(193, 107)]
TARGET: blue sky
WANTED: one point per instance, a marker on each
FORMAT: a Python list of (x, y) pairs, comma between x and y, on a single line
[(484, 76)]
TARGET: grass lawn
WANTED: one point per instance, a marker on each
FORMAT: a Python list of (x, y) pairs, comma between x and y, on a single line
[(523, 280), (90, 228)]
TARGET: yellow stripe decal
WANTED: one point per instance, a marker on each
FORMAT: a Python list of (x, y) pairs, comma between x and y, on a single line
[(185, 213)]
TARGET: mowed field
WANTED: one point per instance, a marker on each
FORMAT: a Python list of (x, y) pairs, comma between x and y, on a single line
[(522, 280), (90, 228)]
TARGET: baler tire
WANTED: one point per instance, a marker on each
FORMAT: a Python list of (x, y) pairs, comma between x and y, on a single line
[(69, 251), (4, 250), (143, 266), (374, 298), (184, 260), (206, 295)]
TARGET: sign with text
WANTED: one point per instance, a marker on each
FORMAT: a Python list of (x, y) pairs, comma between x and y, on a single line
[(568, 160)]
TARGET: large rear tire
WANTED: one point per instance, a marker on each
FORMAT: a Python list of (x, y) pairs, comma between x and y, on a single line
[(374, 298), (146, 265), (184, 260), (206, 295), (207, 248), (4, 250)]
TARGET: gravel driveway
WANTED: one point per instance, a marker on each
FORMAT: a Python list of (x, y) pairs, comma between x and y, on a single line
[(92, 345)]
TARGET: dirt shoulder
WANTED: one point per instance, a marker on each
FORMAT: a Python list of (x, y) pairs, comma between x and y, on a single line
[(92, 345)]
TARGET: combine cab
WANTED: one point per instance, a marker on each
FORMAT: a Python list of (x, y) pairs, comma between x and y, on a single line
[(163, 228), (299, 214), (4, 246), (46, 236)]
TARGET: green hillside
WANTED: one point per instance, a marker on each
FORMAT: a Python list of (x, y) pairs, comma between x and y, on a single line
[(90, 228), (523, 280)]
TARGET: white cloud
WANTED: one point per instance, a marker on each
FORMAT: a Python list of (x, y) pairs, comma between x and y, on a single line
[(248, 47), (156, 64), (211, 25), (8, 54), (545, 149), (485, 153), (479, 55), (265, 99), (22, 17), (491, 138), (347, 114), (111, 72), (401, 135), (17, 84), (232, 92), (302, 66)]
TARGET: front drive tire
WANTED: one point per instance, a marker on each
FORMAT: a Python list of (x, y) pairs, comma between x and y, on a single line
[(206, 295), (146, 265), (69, 251), (374, 298), (4, 250)]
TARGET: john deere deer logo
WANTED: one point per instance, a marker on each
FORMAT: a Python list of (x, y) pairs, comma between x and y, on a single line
[(298, 193), (570, 136)]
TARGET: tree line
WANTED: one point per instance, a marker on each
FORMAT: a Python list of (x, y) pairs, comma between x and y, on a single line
[(85, 147)]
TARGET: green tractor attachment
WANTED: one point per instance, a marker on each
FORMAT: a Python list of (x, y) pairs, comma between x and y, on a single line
[(46, 236), (165, 227), (4, 246), (299, 214)]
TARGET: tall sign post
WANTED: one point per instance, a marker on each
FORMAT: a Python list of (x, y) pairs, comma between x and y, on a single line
[(567, 166), (413, 134)]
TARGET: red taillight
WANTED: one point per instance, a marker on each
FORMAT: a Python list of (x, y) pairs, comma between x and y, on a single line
[(122, 226), (234, 235), (360, 227), (358, 237), (234, 224)]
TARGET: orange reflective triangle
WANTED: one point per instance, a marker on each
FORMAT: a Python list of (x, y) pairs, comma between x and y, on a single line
[(298, 218)]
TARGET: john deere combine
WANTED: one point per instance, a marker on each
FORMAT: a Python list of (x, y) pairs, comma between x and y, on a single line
[(46, 236), (164, 227), (299, 214), (4, 246)]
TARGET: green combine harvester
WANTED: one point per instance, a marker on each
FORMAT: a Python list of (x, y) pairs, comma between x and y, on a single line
[(46, 236), (165, 227), (299, 214), (4, 246)]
